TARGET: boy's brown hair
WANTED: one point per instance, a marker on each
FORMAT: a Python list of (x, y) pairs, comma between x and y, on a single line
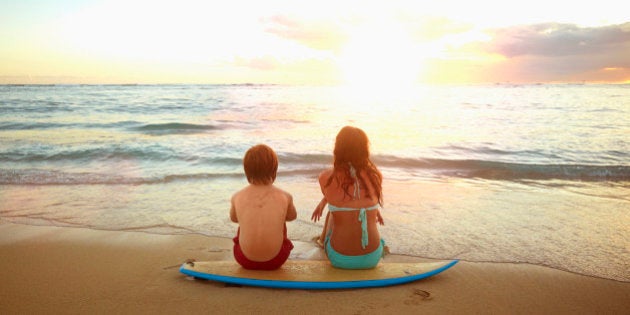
[(260, 164)]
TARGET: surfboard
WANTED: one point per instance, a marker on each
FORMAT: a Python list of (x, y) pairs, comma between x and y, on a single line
[(314, 274)]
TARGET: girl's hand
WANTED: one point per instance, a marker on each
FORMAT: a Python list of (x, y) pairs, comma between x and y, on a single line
[(379, 218), (319, 210)]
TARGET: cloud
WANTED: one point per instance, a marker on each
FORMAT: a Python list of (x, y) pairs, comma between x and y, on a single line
[(320, 35), (459, 51), (558, 52), (265, 63), (553, 39), (427, 28)]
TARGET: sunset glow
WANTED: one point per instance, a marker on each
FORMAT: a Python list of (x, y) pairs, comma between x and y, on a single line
[(397, 43), (380, 55)]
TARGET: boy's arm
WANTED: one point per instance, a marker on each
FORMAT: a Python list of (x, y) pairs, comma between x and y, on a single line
[(233, 211), (291, 212)]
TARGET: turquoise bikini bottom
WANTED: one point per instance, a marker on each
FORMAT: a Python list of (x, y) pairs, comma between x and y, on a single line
[(366, 261)]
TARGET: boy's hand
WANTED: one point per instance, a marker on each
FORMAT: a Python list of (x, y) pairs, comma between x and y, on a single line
[(319, 210)]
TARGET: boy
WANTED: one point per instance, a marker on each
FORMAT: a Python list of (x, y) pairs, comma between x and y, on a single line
[(261, 210)]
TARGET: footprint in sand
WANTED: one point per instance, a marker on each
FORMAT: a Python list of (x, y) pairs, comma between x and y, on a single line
[(417, 296)]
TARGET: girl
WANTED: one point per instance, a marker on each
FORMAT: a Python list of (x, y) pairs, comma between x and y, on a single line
[(352, 189)]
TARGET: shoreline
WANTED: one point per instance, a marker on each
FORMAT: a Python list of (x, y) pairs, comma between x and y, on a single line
[(305, 250), (49, 269)]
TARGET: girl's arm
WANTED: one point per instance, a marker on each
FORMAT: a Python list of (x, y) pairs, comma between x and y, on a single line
[(317, 213)]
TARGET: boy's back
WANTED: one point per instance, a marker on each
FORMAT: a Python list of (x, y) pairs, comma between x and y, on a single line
[(261, 212)]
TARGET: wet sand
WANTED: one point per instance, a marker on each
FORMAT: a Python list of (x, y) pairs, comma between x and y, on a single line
[(75, 270)]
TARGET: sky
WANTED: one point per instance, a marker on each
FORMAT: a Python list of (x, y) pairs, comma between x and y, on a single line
[(362, 43)]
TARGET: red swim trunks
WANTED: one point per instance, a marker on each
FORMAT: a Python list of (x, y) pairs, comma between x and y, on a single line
[(272, 264)]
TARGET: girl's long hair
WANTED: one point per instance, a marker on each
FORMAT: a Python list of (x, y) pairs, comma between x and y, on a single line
[(352, 148)]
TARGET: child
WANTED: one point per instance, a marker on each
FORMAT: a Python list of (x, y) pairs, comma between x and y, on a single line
[(353, 190), (261, 210)]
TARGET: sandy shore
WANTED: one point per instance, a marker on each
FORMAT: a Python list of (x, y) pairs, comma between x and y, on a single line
[(71, 270)]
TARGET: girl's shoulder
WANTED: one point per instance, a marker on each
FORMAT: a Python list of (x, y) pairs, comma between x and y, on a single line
[(324, 175)]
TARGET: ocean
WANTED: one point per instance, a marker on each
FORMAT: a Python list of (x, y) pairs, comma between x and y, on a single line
[(536, 174)]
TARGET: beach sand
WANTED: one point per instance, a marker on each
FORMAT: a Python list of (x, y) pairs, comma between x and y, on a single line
[(75, 270)]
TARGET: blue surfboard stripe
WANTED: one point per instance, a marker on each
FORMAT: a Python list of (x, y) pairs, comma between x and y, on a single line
[(315, 285)]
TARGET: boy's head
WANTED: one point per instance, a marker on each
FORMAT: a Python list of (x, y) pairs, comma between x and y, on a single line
[(260, 164)]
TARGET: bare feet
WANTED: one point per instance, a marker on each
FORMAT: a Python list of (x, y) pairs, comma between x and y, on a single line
[(318, 241)]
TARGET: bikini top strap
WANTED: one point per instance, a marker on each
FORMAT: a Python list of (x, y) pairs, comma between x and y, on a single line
[(362, 219)]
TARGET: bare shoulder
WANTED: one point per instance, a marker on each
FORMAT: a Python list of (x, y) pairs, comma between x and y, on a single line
[(325, 175), (283, 192), (291, 213), (238, 194)]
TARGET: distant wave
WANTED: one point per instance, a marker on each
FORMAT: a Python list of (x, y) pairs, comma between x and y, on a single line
[(29, 126), (48, 177), (174, 128), (310, 167), (153, 154), (294, 164), (85, 154), (510, 171), (33, 125), (52, 177), (165, 128)]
